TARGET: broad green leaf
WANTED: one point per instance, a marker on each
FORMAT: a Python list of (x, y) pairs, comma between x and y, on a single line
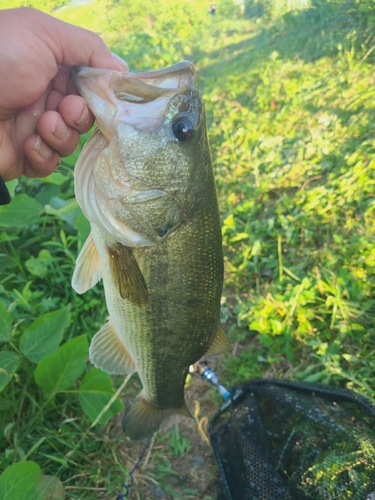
[(5, 323), (47, 192), (72, 159), (239, 237), (6, 262), (43, 337), (83, 228), (67, 210), (256, 247), (5, 404), (22, 211), (271, 142), (9, 362), (95, 392), (61, 369), (4, 236), (50, 488), (11, 185), (55, 178), (18, 482), (39, 266), (61, 207)]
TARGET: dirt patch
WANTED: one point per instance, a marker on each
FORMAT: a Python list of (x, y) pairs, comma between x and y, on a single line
[(163, 473)]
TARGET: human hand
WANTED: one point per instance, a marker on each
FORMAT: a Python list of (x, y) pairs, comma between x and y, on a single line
[(41, 113)]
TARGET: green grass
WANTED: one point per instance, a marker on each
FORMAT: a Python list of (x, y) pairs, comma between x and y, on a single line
[(289, 99)]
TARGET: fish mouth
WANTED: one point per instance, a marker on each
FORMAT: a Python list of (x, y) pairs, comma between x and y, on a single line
[(177, 76), (138, 99)]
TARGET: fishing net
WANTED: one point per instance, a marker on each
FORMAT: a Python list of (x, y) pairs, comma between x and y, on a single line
[(278, 440)]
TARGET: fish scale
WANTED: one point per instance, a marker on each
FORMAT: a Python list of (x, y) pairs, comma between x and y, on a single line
[(193, 327), (145, 182)]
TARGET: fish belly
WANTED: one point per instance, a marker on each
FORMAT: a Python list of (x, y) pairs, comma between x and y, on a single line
[(175, 328)]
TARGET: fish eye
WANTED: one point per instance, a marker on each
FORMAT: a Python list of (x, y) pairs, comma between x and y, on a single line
[(182, 128)]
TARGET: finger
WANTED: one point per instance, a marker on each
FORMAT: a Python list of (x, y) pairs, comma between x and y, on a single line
[(41, 159), (53, 100), (9, 159), (56, 134), (121, 62), (75, 113), (64, 81), (25, 121), (60, 82), (75, 46)]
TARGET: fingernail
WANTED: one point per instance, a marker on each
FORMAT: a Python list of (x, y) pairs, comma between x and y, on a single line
[(61, 131), (120, 62), (84, 119), (42, 149)]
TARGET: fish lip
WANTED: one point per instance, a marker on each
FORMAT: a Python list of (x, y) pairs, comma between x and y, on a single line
[(184, 70), (138, 99), (175, 77), (93, 84), (79, 71), (86, 80)]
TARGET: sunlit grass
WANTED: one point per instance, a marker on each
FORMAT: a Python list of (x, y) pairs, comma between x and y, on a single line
[(289, 100)]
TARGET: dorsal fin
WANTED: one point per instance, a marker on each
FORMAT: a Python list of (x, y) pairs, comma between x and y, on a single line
[(127, 276), (108, 353), (87, 270)]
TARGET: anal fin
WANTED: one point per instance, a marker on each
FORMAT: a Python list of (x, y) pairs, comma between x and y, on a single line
[(87, 270), (220, 342), (127, 275), (108, 353)]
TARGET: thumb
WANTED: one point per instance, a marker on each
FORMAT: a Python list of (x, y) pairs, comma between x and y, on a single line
[(75, 46), (9, 158)]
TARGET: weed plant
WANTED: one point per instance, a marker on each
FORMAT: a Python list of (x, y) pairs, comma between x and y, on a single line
[(289, 98)]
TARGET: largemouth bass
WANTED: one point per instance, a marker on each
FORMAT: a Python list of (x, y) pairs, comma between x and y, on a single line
[(145, 182)]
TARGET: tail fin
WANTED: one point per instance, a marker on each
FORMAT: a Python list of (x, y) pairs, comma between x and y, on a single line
[(142, 418)]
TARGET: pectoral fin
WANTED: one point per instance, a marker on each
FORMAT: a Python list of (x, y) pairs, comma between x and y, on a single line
[(138, 196), (127, 276), (220, 342), (87, 271), (108, 353)]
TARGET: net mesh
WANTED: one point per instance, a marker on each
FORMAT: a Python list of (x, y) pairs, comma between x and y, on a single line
[(278, 440)]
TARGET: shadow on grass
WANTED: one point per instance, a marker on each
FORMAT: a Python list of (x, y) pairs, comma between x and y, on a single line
[(323, 30)]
